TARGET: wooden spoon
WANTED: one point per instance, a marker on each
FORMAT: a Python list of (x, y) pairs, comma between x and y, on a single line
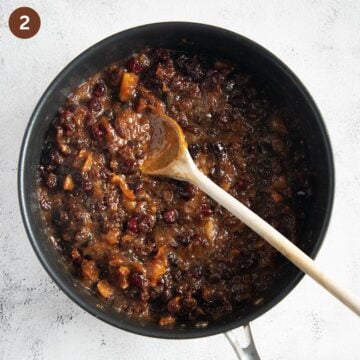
[(168, 156)]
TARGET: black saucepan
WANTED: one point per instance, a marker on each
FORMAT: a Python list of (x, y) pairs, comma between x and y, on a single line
[(204, 39)]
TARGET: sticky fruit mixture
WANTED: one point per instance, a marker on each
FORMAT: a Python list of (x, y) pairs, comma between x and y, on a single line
[(158, 249)]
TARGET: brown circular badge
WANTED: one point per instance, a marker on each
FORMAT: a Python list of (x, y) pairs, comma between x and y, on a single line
[(24, 22)]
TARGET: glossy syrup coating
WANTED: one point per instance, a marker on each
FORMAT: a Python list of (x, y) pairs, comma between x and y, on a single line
[(158, 249)]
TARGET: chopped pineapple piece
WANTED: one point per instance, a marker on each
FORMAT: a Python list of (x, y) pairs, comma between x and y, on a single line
[(128, 85), (88, 163), (120, 180), (210, 229), (105, 289), (69, 183), (124, 272), (89, 270), (167, 320)]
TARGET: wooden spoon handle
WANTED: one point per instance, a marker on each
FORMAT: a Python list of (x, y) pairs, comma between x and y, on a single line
[(275, 238)]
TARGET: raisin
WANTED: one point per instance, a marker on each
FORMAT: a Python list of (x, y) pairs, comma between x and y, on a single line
[(183, 239), (45, 204), (115, 78), (67, 119), (51, 181), (239, 102), (94, 105), (185, 190), (87, 185), (135, 66), (218, 149), (172, 259), (194, 150), (162, 54), (129, 166), (97, 132), (145, 223), (99, 89)]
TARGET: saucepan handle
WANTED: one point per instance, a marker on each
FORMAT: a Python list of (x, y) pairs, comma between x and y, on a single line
[(247, 350)]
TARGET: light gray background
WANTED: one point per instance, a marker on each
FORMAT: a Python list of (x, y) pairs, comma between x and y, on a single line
[(319, 40)]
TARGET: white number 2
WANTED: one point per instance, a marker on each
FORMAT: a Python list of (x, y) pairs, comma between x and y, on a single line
[(24, 24)]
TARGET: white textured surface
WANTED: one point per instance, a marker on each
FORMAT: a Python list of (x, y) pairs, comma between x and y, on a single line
[(319, 40)]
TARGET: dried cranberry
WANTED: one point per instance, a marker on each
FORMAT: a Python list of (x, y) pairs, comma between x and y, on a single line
[(138, 280), (194, 150), (99, 89), (170, 216), (94, 105), (205, 210), (129, 166), (135, 66), (132, 224)]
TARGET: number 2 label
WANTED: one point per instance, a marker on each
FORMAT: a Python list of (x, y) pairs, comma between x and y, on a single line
[(25, 21)]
